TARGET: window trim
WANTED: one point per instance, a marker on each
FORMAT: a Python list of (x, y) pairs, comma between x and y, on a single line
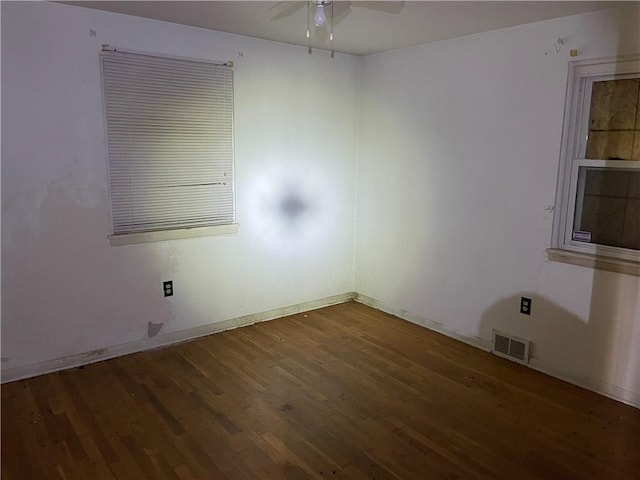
[(581, 76), (174, 234)]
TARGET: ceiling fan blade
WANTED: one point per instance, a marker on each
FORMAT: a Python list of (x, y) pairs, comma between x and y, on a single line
[(340, 12), (393, 7), (339, 8), (286, 9)]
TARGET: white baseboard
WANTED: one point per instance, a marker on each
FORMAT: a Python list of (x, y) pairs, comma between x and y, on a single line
[(598, 386), (603, 388), (472, 340), (73, 361)]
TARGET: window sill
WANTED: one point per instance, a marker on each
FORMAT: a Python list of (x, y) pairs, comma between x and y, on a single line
[(599, 262), (177, 234)]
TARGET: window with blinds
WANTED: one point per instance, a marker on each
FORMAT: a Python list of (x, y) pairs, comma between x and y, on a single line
[(169, 129)]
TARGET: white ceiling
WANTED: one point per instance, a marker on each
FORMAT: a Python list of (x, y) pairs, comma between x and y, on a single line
[(360, 27)]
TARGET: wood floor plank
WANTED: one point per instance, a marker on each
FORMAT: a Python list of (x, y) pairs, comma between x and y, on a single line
[(341, 392)]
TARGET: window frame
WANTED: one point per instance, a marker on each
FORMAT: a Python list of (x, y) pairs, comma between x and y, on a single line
[(582, 75), (181, 232)]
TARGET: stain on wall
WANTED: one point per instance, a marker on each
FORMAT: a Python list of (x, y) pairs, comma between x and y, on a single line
[(154, 328)]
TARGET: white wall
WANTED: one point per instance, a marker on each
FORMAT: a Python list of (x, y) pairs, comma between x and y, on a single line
[(64, 289), (459, 145), (459, 152)]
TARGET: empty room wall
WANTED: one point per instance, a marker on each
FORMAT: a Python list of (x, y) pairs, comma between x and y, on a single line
[(65, 291), (459, 152)]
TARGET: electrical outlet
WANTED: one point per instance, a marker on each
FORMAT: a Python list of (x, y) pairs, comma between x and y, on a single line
[(525, 306), (168, 288)]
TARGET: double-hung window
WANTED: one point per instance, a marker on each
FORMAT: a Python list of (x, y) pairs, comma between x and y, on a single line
[(169, 128), (598, 215)]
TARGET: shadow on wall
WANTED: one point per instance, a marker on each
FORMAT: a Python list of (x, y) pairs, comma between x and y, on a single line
[(599, 351), (293, 207), (558, 337), (614, 322)]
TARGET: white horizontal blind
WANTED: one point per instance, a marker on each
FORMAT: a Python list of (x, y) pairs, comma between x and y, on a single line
[(170, 142)]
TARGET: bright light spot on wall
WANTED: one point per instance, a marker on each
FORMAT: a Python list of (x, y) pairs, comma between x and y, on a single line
[(290, 208)]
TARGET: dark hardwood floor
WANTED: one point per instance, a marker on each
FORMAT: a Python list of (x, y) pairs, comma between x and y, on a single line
[(341, 392)]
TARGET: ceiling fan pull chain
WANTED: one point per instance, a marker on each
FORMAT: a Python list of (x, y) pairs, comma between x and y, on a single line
[(331, 34), (308, 35), (308, 8)]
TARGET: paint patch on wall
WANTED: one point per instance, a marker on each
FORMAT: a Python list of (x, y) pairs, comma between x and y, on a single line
[(154, 328), (5, 359)]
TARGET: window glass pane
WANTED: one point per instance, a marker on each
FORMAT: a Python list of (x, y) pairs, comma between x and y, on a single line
[(608, 207), (614, 120)]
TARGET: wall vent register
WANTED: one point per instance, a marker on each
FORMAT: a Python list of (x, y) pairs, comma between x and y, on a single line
[(510, 347)]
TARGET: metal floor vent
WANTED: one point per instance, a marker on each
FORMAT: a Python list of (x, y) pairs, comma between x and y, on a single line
[(510, 347)]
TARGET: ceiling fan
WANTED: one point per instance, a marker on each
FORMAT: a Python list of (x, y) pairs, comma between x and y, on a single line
[(319, 10)]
